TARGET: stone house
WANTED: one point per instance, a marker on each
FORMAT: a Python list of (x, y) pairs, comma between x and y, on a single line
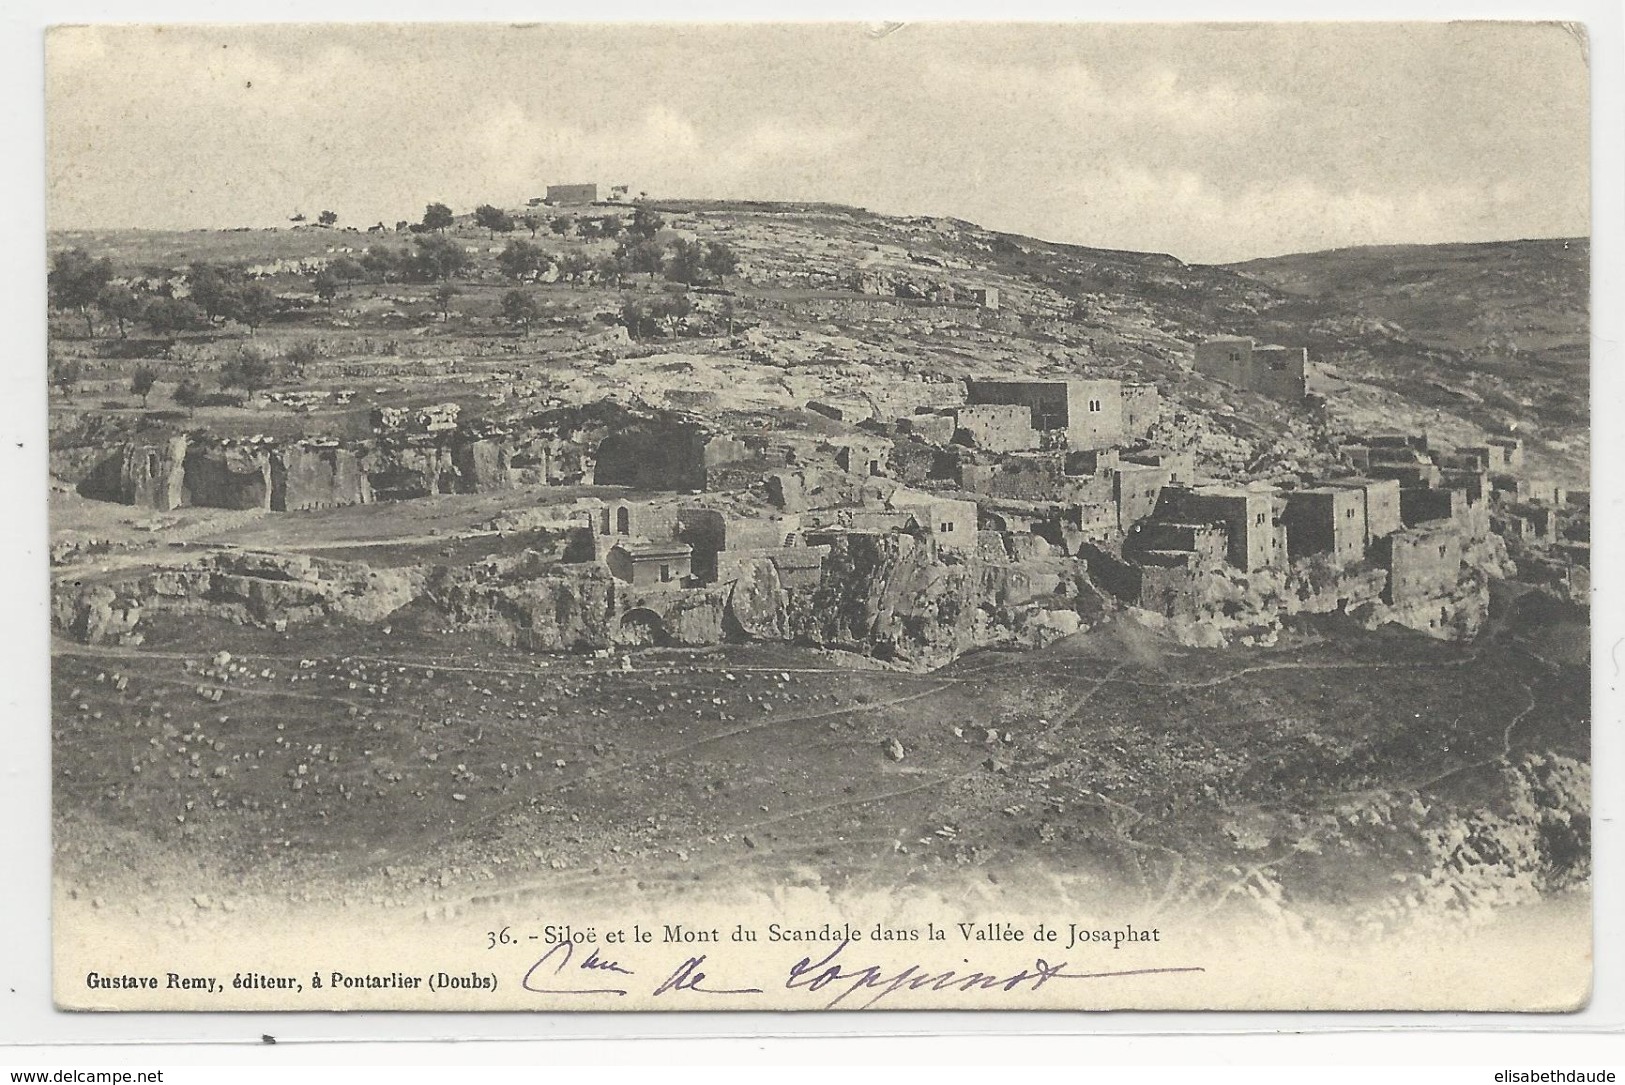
[(1326, 520), (1422, 562), (1248, 515), (1084, 414), (650, 564), (1277, 372)]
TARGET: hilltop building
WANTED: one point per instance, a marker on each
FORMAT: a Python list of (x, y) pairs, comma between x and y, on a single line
[(571, 195)]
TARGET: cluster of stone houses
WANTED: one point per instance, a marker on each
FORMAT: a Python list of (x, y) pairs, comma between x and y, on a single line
[(1411, 512), (1064, 467), (683, 542)]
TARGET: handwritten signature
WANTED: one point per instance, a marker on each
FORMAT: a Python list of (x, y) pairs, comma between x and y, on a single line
[(810, 975), (686, 977), (557, 973)]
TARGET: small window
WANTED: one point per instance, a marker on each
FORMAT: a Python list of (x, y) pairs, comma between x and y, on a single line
[(1441, 550), (623, 521), (1094, 406), (1260, 518), (665, 574), (1235, 355)]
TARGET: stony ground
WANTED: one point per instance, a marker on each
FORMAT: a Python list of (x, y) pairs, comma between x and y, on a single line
[(392, 766)]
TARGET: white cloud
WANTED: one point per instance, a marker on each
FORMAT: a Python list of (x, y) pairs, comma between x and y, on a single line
[(1210, 146)]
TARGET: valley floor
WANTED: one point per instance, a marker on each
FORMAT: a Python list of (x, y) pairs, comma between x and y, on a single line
[(391, 766)]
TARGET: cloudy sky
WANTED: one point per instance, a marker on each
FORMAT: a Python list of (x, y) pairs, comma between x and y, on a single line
[(1212, 143)]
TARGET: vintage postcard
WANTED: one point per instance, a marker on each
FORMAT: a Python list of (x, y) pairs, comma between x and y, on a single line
[(820, 516)]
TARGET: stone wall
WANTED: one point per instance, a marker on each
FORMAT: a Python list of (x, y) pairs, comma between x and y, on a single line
[(998, 427), (317, 478)]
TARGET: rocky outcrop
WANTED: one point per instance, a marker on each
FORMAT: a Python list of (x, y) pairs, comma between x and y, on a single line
[(96, 614), (812, 488), (401, 471), (561, 608), (248, 588), (757, 605), (889, 595), (150, 474), (317, 478), (228, 476), (182, 471)]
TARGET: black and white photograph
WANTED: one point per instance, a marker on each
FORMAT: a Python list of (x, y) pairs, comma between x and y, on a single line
[(820, 516)]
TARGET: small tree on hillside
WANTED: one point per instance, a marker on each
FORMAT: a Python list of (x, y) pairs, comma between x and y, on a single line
[(76, 280), (256, 303), (574, 267), (531, 223), (64, 373), (166, 316), (346, 269), (519, 307), (720, 260), (671, 309), (327, 218), (214, 289), (141, 382), (189, 393), (685, 262), (640, 255), (610, 226), (608, 268), (438, 258), (493, 219), (444, 294), (299, 356), (384, 263), (561, 224), (326, 285), (122, 304), (437, 217), (522, 260), (647, 223), (636, 319), (250, 370)]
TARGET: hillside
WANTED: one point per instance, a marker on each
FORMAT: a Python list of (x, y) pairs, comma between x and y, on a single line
[(1495, 332), (433, 558), (839, 302)]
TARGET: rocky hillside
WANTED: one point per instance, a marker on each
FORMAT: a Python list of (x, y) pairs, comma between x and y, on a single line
[(1497, 333), (836, 301)]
